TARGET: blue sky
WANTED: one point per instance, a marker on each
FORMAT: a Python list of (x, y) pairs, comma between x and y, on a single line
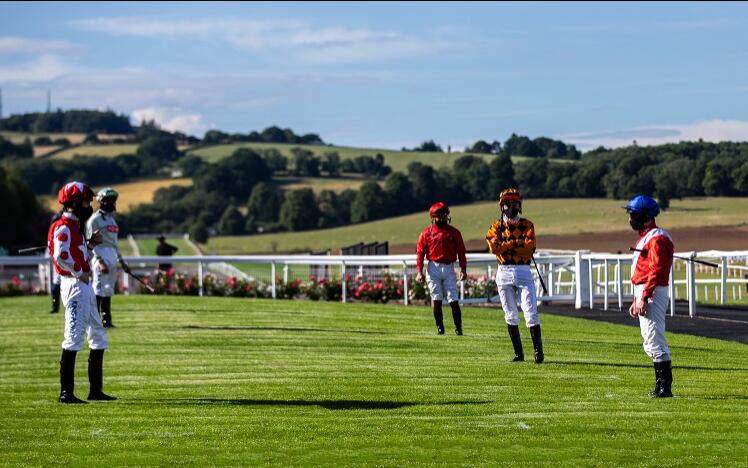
[(391, 74)]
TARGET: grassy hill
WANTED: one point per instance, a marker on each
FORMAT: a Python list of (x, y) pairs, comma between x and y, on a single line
[(551, 216), (337, 184), (397, 160), (130, 193), (109, 151), (220, 381), (19, 137)]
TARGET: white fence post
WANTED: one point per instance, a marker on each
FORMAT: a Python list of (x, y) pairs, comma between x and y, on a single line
[(343, 282), (285, 273), (619, 283), (605, 289), (691, 287), (200, 278), (592, 283), (405, 283), (580, 281), (272, 280), (671, 289), (723, 283), (126, 284)]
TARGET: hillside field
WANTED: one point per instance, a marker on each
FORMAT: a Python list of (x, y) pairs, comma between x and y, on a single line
[(19, 137), (550, 216), (397, 160), (221, 381), (130, 193)]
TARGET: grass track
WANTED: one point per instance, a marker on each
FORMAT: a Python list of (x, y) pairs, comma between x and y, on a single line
[(222, 381)]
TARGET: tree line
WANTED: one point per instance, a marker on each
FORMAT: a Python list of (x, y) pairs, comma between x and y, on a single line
[(237, 195), (69, 121)]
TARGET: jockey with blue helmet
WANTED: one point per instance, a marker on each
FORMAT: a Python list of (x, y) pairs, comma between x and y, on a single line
[(650, 274)]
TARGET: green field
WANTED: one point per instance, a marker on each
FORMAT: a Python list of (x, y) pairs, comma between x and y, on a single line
[(397, 160), (212, 381), (109, 151), (336, 184), (551, 216)]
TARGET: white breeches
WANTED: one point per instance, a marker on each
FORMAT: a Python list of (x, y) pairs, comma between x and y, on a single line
[(516, 282), (652, 325), (81, 316), (104, 284), (442, 281)]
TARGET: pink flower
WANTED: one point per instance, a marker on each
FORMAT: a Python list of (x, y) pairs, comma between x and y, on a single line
[(15, 281), (312, 278), (399, 292)]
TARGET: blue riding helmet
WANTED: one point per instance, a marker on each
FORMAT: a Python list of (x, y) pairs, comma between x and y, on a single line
[(643, 204)]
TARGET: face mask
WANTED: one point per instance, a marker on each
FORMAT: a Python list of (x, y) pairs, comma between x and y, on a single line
[(511, 212), (637, 221), (440, 221)]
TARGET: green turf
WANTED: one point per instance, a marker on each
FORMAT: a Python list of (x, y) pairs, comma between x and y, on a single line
[(397, 160), (551, 216), (246, 382)]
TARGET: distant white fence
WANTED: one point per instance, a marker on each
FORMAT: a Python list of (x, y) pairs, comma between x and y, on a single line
[(582, 278)]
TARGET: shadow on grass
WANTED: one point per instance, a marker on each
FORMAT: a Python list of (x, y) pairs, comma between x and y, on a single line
[(623, 344), (643, 366), (327, 404), (721, 397), (284, 329)]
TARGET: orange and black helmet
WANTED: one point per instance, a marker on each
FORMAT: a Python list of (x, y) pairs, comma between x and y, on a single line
[(508, 195)]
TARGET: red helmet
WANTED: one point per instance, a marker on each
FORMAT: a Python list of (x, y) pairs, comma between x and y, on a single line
[(438, 208), (74, 192)]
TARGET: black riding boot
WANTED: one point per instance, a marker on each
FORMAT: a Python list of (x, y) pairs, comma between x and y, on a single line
[(106, 312), (96, 376), (664, 380), (457, 317), (519, 354), (537, 343), (67, 377), (55, 299), (658, 379), (438, 316)]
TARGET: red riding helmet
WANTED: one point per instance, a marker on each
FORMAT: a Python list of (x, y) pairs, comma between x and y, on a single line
[(74, 192), (438, 208)]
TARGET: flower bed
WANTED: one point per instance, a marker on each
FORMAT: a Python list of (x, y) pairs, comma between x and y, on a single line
[(385, 289)]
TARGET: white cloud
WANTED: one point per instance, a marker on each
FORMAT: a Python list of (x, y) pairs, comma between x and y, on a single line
[(714, 130), (21, 45), (172, 119), (293, 38), (43, 68)]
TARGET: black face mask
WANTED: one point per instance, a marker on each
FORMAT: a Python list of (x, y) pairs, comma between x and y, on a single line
[(108, 207), (637, 221), (511, 213)]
